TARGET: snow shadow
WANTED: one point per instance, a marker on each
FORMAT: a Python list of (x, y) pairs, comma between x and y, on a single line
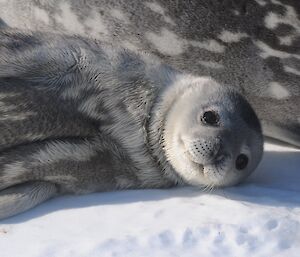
[(275, 182)]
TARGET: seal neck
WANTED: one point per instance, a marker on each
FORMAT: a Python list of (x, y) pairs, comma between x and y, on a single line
[(179, 84)]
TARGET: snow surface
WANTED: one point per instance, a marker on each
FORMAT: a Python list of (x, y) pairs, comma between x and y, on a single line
[(259, 218)]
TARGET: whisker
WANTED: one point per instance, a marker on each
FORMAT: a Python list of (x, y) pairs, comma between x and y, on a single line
[(206, 189), (212, 188)]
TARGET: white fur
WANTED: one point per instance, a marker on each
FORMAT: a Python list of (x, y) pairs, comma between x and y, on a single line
[(166, 42), (261, 2), (231, 37), (155, 7), (68, 19), (291, 70), (41, 15), (210, 64), (175, 105), (286, 40), (290, 17), (120, 15), (268, 51), (209, 45), (128, 45), (277, 91), (96, 25)]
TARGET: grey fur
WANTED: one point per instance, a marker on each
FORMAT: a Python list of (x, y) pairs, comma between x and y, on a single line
[(79, 116), (252, 45), (20, 198)]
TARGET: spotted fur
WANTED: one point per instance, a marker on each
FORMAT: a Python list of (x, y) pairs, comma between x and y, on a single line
[(252, 45)]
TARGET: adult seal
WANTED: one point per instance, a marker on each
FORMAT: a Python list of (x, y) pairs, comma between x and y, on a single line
[(78, 116)]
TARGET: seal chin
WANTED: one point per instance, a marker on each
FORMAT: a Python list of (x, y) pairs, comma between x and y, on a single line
[(215, 173), (197, 166)]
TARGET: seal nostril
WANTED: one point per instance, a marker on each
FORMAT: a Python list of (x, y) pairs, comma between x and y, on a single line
[(210, 118), (241, 162)]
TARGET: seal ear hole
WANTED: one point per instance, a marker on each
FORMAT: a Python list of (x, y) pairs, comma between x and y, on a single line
[(211, 118), (241, 162)]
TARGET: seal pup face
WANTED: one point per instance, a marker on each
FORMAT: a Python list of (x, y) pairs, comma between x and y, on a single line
[(212, 136)]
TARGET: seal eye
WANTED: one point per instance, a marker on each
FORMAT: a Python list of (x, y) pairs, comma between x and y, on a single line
[(241, 162), (210, 118)]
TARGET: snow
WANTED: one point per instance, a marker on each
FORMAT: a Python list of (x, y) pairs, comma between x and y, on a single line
[(259, 218)]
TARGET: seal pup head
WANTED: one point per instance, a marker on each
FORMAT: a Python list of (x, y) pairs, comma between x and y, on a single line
[(210, 135)]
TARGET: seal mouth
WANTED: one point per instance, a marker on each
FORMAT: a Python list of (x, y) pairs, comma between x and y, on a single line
[(218, 162), (215, 171), (198, 166), (218, 169)]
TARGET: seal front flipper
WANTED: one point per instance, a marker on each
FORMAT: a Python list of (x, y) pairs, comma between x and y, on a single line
[(22, 197), (75, 166)]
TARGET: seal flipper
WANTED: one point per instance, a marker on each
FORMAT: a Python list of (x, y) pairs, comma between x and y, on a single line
[(20, 198)]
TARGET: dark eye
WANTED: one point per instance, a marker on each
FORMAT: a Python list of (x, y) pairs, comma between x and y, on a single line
[(241, 162), (210, 118)]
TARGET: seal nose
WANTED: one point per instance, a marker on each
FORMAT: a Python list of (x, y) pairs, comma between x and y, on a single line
[(204, 151)]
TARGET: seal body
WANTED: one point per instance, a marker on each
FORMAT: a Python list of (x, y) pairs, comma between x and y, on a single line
[(79, 116), (252, 45)]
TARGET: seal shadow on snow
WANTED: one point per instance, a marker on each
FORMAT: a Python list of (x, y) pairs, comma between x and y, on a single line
[(275, 183)]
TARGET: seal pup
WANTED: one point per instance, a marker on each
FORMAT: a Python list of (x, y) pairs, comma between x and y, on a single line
[(79, 116)]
